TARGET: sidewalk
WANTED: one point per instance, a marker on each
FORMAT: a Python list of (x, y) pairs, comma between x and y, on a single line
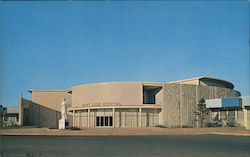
[(127, 131)]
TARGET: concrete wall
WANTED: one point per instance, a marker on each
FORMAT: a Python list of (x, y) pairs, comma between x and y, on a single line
[(33, 114), (159, 97), (246, 113), (240, 117), (51, 99), (118, 93), (23, 114), (150, 117), (81, 118), (44, 109)]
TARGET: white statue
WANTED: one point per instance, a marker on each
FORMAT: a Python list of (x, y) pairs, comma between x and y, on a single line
[(63, 122), (64, 109)]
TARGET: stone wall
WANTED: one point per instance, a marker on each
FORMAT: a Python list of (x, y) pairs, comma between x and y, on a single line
[(187, 105), (217, 92), (171, 105), (180, 100)]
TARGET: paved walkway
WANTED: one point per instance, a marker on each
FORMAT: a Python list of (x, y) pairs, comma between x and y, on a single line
[(127, 131)]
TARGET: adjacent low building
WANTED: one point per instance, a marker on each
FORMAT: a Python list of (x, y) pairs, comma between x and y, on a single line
[(230, 111), (126, 104), (9, 116)]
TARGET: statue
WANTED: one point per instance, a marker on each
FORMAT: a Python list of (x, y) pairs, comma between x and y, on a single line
[(63, 109), (63, 122)]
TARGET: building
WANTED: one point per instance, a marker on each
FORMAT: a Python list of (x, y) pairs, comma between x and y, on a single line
[(230, 111), (126, 104), (8, 116), (11, 116)]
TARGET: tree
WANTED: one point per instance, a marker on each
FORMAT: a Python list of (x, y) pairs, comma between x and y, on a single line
[(1, 115), (200, 112)]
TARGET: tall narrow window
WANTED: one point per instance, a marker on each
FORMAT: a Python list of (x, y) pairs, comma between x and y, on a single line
[(106, 121), (110, 121), (102, 121), (97, 121)]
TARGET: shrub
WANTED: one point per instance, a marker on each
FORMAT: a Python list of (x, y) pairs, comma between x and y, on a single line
[(161, 126), (230, 123), (210, 124), (217, 122), (74, 128), (185, 126)]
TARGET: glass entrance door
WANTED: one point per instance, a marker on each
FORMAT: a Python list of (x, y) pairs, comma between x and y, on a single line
[(104, 121)]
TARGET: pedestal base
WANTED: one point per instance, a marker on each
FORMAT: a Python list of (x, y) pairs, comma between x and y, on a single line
[(63, 124)]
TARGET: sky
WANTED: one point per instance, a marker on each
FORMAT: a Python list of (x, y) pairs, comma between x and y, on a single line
[(56, 45)]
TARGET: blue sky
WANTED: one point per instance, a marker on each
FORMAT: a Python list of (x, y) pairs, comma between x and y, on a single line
[(55, 45)]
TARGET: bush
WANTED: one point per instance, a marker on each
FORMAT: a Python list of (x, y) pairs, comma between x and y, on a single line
[(185, 126), (74, 128), (217, 122), (210, 124), (161, 126), (230, 123)]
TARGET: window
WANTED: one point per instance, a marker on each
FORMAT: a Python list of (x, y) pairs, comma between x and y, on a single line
[(149, 93), (110, 121)]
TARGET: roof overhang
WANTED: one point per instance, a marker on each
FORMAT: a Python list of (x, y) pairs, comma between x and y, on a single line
[(37, 90), (216, 80)]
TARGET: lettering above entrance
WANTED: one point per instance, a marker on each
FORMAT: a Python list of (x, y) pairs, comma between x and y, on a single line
[(99, 104)]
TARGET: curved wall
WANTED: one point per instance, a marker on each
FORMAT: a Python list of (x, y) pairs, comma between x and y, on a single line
[(107, 94)]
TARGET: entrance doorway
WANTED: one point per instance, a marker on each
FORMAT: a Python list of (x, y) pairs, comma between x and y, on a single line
[(104, 121)]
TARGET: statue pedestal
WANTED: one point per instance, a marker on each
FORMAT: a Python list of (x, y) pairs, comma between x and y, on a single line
[(63, 124)]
